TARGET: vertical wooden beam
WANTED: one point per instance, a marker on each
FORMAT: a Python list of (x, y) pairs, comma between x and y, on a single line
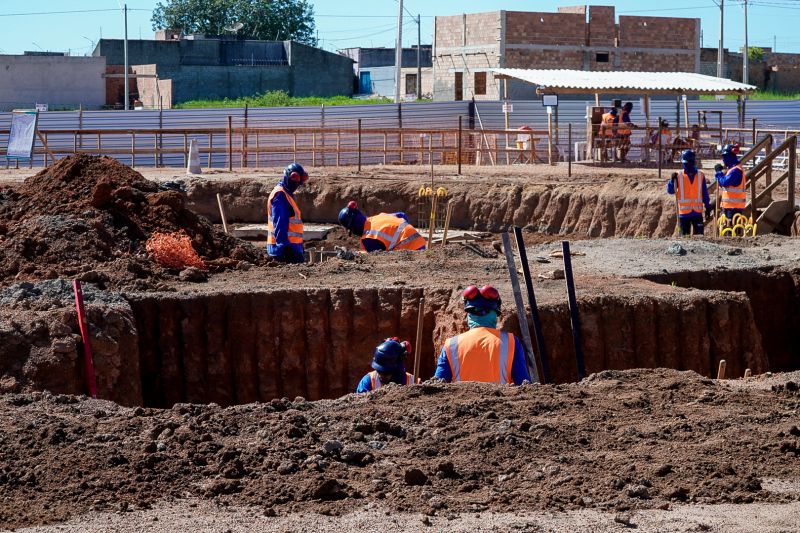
[(459, 144), (245, 139), (133, 148), (230, 143), (359, 146), (210, 148)]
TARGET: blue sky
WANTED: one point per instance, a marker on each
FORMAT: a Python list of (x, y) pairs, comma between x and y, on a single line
[(345, 23)]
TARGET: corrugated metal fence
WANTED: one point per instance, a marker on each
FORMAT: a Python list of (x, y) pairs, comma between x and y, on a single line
[(423, 115)]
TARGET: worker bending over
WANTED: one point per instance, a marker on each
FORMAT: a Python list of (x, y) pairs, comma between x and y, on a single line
[(732, 182), (382, 232), (692, 191), (284, 223), (389, 364), (484, 353)]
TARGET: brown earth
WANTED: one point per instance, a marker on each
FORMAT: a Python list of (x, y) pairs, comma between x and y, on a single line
[(620, 441), (89, 217)]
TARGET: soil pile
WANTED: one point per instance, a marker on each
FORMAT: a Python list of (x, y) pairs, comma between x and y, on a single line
[(619, 440), (87, 213)]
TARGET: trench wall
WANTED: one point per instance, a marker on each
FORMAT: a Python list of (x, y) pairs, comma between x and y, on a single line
[(245, 347), (619, 208), (774, 296)]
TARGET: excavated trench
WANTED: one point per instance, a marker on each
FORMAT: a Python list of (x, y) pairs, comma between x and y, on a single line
[(774, 297), (243, 347)]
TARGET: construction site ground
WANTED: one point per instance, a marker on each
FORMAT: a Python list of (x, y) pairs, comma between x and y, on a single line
[(221, 391)]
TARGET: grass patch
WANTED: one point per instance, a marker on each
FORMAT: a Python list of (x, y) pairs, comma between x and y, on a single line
[(280, 99), (758, 95)]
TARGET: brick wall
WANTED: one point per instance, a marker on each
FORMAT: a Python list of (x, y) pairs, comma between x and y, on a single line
[(545, 28), (481, 28), (662, 62), (602, 26), (555, 59), (658, 32)]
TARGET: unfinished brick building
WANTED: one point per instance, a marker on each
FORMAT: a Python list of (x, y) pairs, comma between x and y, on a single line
[(581, 37)]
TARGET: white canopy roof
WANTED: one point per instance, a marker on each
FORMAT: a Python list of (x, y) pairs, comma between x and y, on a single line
[(625, 82)]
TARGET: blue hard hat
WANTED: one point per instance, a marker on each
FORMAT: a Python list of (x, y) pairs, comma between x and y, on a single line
[(389, 356), (296, 173), (481, 301), (729, 149), (687, 156), (349, 214), (613, 111)]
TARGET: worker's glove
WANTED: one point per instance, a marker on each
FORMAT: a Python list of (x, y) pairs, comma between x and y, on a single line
[(718, 167)]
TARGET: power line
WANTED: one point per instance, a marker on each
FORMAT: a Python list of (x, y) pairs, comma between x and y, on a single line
[(66, 12)]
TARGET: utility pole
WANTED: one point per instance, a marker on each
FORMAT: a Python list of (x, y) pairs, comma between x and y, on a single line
[(125, 9), (398, 54), (720, 57), (419, 62), (745, 56)]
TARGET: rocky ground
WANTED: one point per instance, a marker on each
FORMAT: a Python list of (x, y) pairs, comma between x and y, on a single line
[(617, 442)]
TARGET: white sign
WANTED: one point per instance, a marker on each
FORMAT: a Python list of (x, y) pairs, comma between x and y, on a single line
[(41, 107), (508, 108), (549, 110), (550, 100), (23, 129)]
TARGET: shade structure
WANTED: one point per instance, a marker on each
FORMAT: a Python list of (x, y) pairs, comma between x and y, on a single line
[(624, 82)]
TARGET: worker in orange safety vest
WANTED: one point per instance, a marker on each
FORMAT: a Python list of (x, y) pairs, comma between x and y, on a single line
[(484, 353), (692, 191), (381, 232), (732, 182), (608, 129), (389, 366), (284, 222)]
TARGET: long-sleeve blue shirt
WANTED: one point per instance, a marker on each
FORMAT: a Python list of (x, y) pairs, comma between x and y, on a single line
[(704, 185), (519, 368), (729, 180), (281, 213)]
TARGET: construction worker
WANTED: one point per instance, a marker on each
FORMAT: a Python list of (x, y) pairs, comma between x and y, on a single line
[(484, 353), (608, 129), (624, 131), (381, 232), (284, 223), (692, 192), (732, 182), (389, 364)]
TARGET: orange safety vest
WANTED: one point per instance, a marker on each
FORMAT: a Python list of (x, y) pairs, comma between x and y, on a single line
[(394, 232), (375, 380), (608, 124), (481, 354), (734, 197), (690, 195), (295, 223)]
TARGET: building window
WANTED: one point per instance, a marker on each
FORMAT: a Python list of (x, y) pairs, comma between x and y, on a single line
[(601, 57), (459, 86), (480, 83), (411, 84)]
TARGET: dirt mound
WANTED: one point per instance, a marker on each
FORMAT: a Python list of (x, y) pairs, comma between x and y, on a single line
[(89, 213), (619, 440)]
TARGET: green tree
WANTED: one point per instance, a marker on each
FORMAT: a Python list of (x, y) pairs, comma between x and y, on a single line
[(261, 19), (754, 53)]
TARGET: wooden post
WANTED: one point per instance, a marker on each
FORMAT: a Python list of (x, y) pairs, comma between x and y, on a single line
[(549, 136), (185, 149), (155, 151), (230, 143), (359, 146), (447, 222), (99, 145), (313, 148), (245, 139), (74, 143), (721, 370), (133, 148), (210, 148), (338, 146), (322, 132), (458, 157), (222, 214), (753, 213), (754, 132), (418, 346), (768, 172), (258, 150), (434, 201), (646, 127), (294, 146), (80, 126), (792, 170), (505, 113), (430, 153), (597, 99), (686, 114), (385, 138), (569, 150)]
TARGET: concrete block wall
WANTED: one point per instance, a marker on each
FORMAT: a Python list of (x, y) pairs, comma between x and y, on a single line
[(602, 26), (659, 32), (62, 82), (316, 72), (548, 29)]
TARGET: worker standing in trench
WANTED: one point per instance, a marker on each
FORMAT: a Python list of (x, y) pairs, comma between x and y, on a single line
[(484, 353), (284, 223), (692, 191), (732, 182), (381, 232), (389, 366)]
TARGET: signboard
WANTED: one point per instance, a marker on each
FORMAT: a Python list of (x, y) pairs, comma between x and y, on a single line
[(41, 107), (550, 100), (23, 130), (508, 108)]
